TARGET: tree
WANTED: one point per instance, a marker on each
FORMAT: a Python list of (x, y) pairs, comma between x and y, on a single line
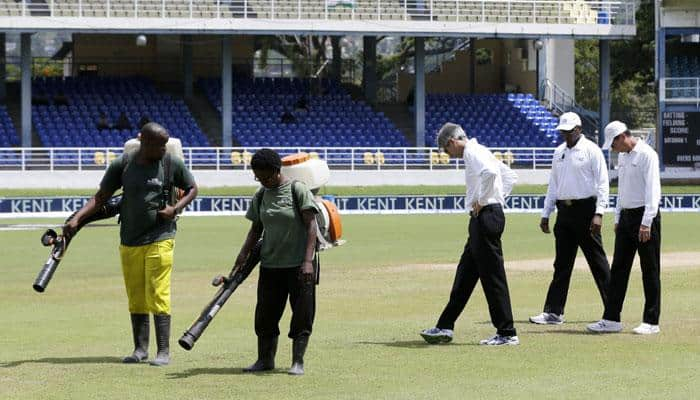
[(306, 53), (632, 73)]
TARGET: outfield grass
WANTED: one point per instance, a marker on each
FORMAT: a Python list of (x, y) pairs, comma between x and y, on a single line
[(373, 299), (337, 190)]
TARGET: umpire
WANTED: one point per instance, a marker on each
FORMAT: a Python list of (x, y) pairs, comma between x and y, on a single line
[(637, 229), (489, 181), (578, 187)]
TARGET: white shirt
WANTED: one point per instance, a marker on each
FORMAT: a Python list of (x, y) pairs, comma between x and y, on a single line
[(639, 182), (488, 180), (577, 173)]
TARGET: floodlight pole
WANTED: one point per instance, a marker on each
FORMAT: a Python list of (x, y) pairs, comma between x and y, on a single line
[(419, 91), (186, 41), (26, 91), (604, 87), (226, 92)]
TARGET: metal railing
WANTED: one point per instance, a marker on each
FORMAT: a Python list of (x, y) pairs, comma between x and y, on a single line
[(238, 158), (680, 90), (560, 101), (606, 12)]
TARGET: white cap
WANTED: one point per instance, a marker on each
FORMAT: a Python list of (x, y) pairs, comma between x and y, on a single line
[(568, 121), (611, 131)]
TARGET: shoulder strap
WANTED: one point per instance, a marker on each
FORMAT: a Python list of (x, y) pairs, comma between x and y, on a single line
[(295, 199), (167, 162), (319, 236), (125, 166), (258, 198)]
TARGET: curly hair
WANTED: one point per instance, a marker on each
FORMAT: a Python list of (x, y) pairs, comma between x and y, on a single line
[(266, 160)]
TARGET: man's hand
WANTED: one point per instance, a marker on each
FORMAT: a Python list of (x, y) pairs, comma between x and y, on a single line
[(544, 225), (168, 213), (596, 224), (70, 228), (307, 272), (240, 261), (644, 233), (476, 208)]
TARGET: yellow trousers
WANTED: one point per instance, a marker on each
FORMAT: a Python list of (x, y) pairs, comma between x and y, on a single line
[(147, 276)]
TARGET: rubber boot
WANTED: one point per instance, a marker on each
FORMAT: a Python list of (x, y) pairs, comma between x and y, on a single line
[(140, 329), (162, 322), (298, 349), (267, 348)]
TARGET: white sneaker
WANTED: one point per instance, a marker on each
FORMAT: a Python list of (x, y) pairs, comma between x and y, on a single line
[(499, 340), (605, 326), (437, 335), (547, 319), (646, 329)]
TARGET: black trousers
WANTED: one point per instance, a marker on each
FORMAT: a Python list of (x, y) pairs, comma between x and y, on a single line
[(275, 285), (571, 231), (482, 259), (626, 245)]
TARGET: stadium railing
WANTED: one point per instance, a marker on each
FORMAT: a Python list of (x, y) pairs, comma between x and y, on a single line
[(605, 12), (680, 90), (238, 158)]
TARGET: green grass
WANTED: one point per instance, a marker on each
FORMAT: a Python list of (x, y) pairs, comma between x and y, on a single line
[(66, 342), (336, 190)]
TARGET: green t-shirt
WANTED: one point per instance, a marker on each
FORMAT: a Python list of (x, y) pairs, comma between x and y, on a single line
[(284, 244), (142, 197)]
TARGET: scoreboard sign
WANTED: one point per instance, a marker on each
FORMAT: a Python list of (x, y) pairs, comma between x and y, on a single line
[(681, 134)]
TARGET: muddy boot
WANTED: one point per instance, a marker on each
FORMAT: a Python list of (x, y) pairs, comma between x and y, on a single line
[(140, 329), (162, 322), (267, 347), (298, 349)]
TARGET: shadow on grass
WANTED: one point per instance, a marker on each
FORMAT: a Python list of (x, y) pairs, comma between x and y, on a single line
[(562, 332), (221, 371), (414, 344), (64, 360), (527, 321)]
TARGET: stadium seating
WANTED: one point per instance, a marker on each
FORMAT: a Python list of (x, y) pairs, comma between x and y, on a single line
[(75, 125), (8, 138), (333, 119), (497, 120), (8, 134), (685, 66)]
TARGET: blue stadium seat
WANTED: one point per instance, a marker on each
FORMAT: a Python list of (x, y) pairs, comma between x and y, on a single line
[(74, 125), (259, 103)]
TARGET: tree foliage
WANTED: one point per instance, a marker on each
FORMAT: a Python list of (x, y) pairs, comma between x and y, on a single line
[(632, 73)]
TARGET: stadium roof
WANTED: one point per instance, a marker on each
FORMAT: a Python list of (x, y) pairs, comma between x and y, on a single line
[(493, 18)]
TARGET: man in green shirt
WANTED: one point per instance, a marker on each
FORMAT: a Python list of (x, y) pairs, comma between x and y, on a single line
[(148, 227), (286, 212)]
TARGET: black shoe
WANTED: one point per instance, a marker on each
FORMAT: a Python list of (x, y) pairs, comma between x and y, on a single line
[(162, 322), (298, 349), (267, 348), (140, 329)]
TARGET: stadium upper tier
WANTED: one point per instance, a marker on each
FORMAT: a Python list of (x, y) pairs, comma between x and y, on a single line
[(8, 135), (220, 13), (73, 121), (683, 76), (498, 120), (684, 66), (329, 119)]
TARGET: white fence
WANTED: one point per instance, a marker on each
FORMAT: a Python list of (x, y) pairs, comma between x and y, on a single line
[(606, 12), (233, 158)]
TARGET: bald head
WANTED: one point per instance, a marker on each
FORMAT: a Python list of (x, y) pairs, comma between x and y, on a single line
[(154, 131), (153, 139)]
